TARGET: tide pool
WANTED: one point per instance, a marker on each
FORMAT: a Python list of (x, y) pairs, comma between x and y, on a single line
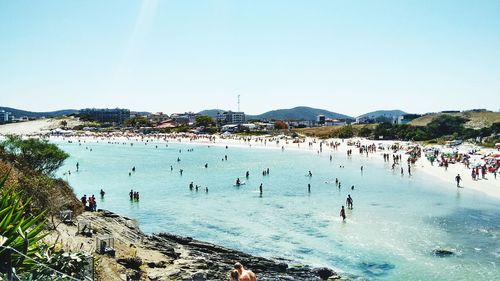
[(389, 235)]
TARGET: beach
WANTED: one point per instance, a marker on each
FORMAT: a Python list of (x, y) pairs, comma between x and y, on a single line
[(286, 220)]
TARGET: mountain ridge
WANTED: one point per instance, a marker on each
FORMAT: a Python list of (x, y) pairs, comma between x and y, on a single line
[(295, 113), (33, 114)]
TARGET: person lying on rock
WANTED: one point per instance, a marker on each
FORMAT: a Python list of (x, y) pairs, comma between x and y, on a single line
[(243, 274)]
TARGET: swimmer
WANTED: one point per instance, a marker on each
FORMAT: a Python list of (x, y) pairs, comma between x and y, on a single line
[(310, 174), (238, 182), (206, 165)]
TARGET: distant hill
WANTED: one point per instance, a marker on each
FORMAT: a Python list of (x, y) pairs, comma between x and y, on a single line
[(298, 113), (30, 114), (211, 112), (477, 119), (383, 113)]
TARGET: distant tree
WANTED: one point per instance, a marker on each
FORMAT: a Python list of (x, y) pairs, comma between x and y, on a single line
[(204, 121), (384, 130), (445, 125), (495, 128), (35, 155), (137, 122), (345, 132), (365, 131), (64, 123), (280, 125)]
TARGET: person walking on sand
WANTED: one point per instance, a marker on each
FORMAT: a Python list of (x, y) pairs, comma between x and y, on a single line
[(458, 179), (244, 274)]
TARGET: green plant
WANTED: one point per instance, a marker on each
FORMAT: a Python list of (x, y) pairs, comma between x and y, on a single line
[(71, 264), (19, 230), (32, 155)]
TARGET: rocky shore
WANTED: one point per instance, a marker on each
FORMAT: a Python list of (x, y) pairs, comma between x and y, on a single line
[(167, 256)]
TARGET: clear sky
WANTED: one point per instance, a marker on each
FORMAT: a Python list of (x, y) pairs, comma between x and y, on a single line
[(345, 56)]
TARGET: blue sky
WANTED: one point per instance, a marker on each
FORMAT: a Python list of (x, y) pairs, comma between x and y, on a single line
[(346, 56)]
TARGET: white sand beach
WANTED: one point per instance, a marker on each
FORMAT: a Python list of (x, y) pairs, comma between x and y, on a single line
[(489, 185)]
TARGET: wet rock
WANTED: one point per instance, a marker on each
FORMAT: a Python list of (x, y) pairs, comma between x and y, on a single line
[(442, 253), (323, 272)]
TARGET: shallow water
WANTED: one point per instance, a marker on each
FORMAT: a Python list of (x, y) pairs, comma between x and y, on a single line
[(389, 235)]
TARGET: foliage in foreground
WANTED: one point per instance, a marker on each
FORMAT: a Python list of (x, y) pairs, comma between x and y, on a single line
[(18, 229), (22, 231)]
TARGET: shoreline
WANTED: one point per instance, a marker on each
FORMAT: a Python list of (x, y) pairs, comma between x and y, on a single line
[(489, 186), (165, 256), (421, 165)]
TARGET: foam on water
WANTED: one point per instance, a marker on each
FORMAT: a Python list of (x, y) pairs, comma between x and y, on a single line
[(389, 235)]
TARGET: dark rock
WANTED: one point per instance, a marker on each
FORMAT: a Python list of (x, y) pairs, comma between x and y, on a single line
[(199, 276), (160, 264), (323, 272), (131, 262), (442, 253), (176, 238), (134, 275)]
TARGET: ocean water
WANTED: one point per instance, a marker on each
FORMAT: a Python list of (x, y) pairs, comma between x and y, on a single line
[(389, 235)]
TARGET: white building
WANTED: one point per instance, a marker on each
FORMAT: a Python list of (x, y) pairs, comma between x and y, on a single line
[(5, 116), (231, 117)]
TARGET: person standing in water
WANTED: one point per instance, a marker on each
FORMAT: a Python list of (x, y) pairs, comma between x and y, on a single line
[(348, 201), (77, 166), (342, 213), (102, 193), (260, 188), (309, 187), (458, 179)]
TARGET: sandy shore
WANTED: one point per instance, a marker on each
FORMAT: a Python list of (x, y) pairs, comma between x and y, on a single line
[(40, 126), (489, 186)]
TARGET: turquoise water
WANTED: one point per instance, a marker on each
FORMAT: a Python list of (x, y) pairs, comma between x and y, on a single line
[(389, 235)]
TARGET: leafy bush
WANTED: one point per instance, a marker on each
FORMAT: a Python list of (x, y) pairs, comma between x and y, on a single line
[(32, 155), (18, 228), (71, 264)]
